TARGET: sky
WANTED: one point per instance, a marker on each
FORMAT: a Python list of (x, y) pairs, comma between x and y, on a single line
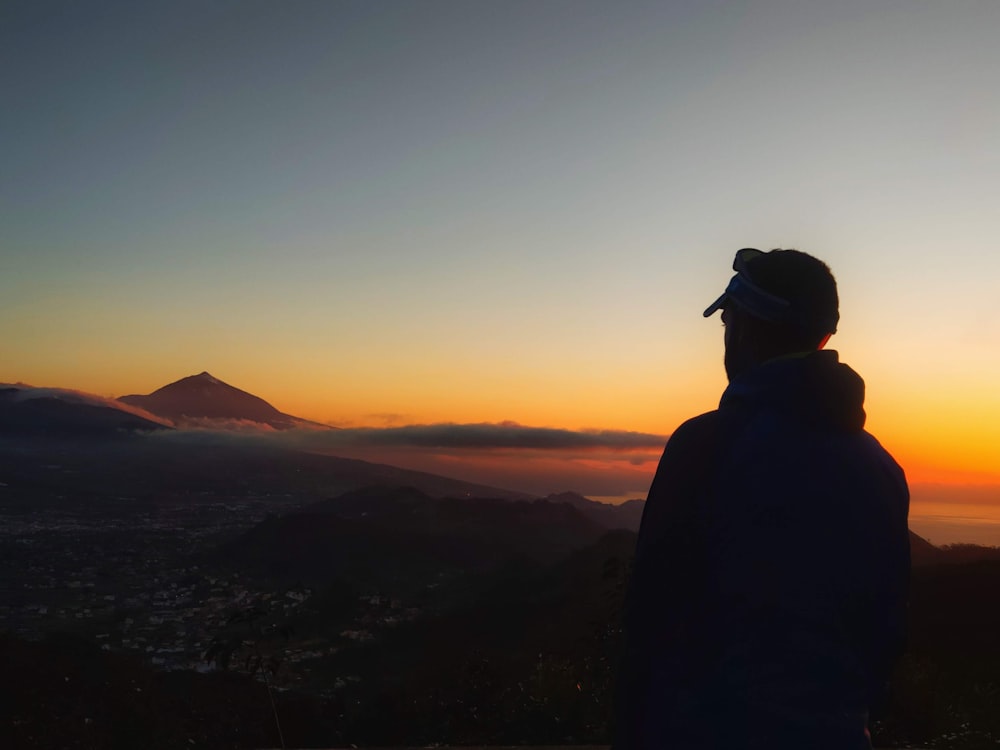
[(390, 214)]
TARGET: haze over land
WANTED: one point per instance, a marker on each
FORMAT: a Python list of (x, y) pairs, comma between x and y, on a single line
[(610, 466)]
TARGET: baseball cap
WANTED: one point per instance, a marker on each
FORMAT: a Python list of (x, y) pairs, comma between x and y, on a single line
[(744, 293)]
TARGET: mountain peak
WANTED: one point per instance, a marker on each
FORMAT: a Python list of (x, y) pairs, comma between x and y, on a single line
[(203, 396)]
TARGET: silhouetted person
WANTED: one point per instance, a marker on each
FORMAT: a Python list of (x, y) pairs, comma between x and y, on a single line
[(767, 601)]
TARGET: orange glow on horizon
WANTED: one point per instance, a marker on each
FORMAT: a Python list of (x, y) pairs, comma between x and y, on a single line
[(948, 436)]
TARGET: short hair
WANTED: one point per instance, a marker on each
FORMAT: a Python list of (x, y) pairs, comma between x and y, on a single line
[(807, 283)]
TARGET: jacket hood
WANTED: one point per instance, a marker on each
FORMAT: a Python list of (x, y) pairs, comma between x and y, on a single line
[(816, 388)]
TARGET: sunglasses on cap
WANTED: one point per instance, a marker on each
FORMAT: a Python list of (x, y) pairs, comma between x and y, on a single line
[(749, 297)]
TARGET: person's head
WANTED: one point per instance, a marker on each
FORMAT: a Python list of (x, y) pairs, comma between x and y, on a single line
[(780, 302)]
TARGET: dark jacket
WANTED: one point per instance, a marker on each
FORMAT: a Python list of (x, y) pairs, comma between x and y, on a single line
[(768, 595)]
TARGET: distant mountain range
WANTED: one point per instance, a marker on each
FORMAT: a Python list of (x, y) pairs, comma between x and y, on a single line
[(196, 398), (626, 515), (397, 537)]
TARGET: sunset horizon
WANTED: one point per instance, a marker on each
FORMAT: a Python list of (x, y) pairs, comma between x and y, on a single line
[(950, 503), (379, 216), (341, 342)]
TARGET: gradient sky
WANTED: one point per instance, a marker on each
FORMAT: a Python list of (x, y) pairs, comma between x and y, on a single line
[(392, 213)]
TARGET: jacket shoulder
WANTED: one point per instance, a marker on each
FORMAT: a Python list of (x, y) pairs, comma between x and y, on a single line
[(698, 430), (689, 446), (681, 478)]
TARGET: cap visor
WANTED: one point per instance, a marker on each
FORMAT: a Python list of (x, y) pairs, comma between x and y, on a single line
[(717, 305)]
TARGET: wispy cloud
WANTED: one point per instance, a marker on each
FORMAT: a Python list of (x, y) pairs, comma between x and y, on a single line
[(490, 436), (389, 418), (536, 460), (227, 425)]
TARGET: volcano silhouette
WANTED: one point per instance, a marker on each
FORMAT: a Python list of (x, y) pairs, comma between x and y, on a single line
[(203, 396)]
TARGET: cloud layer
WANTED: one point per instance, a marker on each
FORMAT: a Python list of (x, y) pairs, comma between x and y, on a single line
[(487, 435), (537, 460)]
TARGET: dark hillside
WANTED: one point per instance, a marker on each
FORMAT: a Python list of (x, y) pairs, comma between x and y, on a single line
[(59, 418), (525, 654), (626, 515), (923, 552), (946, 689), (134, 469), (390, 536), (63, 692)]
